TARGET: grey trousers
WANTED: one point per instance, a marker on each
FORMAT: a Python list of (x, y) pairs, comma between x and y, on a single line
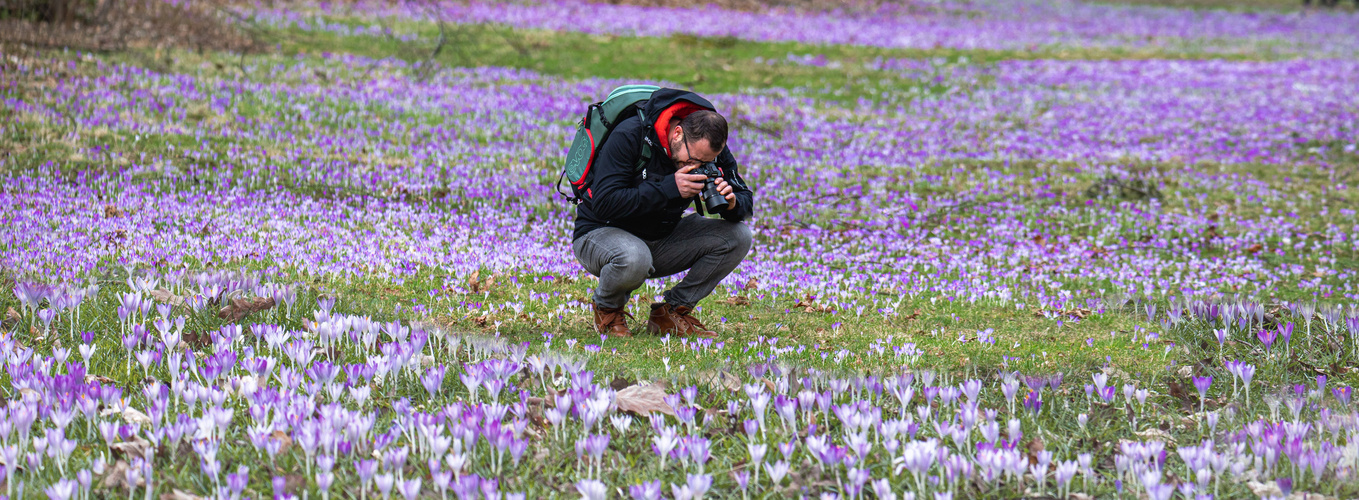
[(709, 248)]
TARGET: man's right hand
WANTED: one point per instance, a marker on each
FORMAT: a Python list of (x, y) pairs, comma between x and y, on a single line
[(689, 184)]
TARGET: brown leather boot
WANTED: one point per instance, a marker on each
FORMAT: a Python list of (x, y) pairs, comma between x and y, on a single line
[(666, 319), (613, 322)]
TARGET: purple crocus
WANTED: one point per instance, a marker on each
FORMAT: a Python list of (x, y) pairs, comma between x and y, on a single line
[(1267, 338), (1342, 394), (650, 490)]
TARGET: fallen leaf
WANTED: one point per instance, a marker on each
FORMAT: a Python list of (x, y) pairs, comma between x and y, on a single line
[(197, 340), (285, 441), (134, 416), (98, 378), (730, 381), (115, 476), (1034, 447), (643, 400), (178, 494), (1264, 490), (240, 308), (1303, 495), (166, 297), (721, 379), (737, 300), (134, 448), (474, 282), (12, 318), (1156, 434), (1254, 249)]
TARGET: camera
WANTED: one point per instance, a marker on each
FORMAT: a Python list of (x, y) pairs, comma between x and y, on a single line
[(712, 198)]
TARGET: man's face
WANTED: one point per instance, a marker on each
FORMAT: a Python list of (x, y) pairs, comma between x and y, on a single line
[(687, 152)]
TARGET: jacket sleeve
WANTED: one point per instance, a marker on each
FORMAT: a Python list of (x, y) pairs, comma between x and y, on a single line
[(616, 192), (745, 199)]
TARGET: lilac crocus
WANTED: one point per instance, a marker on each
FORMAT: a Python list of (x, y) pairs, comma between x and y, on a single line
[(61, 490), (591, 489), (1342, 394), (650, 490), (1267, 338), (410, 488), (1203, 384)]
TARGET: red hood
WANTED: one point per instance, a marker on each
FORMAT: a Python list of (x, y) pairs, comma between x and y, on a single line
[(678, 110)]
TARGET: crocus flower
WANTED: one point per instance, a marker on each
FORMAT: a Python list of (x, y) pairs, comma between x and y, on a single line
[(591, 489), (650, 490)]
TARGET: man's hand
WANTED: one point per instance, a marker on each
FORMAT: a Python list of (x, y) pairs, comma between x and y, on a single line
[(689, 184), (725, 189)]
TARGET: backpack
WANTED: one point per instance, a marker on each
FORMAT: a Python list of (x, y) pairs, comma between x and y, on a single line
[(600, 119)]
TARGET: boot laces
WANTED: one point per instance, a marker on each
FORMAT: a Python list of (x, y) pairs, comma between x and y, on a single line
[(616, 318), (693, 322)]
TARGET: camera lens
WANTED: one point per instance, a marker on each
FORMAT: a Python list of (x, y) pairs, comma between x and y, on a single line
[(712, 198)]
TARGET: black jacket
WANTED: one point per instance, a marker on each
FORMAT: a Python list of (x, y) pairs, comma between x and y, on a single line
[(647, 203)]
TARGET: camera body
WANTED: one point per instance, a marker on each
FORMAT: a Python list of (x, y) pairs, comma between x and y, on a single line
[(712, 199)]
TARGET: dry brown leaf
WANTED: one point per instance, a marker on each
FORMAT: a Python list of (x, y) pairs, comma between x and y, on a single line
[(134, 416), (731, 382), (12, 318), (1156, 434), (721, 379), (285, 441), (1254, 249), (178, 494), (737, 300), (770, 385), (240, 308), (98, 378), (134, 448), (1264, 490), (115, 476), (1303, 495), (1035, 445), (643, 400), (166, 297)]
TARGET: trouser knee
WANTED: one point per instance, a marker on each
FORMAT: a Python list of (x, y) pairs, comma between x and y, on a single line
[(741, 239), (631, 266)]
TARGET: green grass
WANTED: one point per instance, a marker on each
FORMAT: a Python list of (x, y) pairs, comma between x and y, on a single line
[(943, 328), (703, 64), (709, 65)]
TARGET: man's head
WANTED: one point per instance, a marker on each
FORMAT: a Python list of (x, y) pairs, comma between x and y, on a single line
[(698, 138)]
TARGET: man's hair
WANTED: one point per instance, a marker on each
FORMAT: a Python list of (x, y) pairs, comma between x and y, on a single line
[(708, 125)]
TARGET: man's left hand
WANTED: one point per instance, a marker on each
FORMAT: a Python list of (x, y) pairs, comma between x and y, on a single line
[(725, 189)]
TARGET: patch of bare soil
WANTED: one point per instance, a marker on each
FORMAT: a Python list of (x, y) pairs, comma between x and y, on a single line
[(105, 25)]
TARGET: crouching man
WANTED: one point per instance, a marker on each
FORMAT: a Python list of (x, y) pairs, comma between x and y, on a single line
[(630, 226)]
